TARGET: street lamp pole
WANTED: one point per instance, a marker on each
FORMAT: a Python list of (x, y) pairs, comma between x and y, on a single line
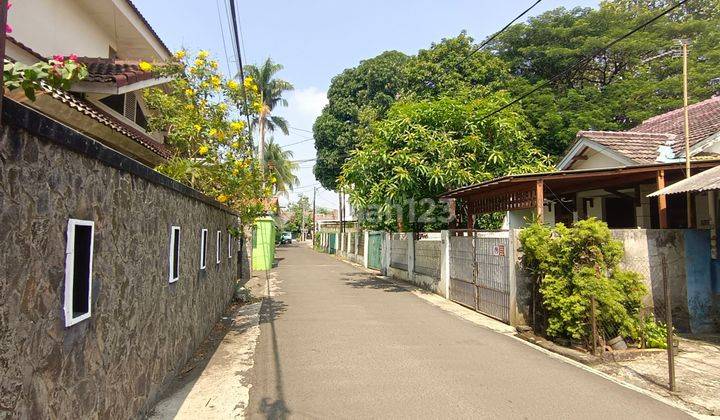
[(685, 43)]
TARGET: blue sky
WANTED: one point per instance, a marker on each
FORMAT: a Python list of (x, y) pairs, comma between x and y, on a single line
[(317, 39)]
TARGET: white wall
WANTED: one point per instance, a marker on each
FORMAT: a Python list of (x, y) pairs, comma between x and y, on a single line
[(595, 160), (518, 219), (58, 27)]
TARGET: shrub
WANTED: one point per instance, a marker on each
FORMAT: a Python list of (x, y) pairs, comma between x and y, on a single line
[(655, 334), (573, 265)]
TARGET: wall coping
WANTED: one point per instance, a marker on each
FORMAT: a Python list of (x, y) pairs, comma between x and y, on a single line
[(16, 114)]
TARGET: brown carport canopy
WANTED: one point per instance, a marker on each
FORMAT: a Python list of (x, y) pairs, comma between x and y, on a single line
[(527, 191)]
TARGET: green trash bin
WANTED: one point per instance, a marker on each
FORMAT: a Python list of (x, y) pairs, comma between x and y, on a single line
[(263, 243)]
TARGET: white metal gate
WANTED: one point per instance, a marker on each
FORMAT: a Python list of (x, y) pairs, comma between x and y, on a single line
[(480, 272)]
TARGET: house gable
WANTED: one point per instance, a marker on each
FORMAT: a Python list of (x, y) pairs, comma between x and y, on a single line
[(588, 154)]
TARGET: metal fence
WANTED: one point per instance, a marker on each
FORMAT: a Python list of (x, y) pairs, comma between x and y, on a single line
[(398, 251), (480, 273), (427, 257), (493, 276), (462, 284)]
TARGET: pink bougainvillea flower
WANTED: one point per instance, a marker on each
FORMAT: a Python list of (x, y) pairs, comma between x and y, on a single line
[(8, 28), (73, 57), (58, 57)]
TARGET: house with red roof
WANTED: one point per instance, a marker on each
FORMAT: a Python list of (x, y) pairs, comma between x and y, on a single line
[(110, 37), (613, 176), (660, 139)]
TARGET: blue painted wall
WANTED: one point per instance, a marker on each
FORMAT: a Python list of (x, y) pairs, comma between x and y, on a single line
[(699, 275)]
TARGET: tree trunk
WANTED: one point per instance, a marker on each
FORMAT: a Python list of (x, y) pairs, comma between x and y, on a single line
[(261, 145)]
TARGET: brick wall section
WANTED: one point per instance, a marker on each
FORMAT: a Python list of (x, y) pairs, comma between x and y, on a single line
[(142, 328)]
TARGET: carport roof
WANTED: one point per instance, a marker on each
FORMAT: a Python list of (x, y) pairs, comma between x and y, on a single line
[(573, 180)]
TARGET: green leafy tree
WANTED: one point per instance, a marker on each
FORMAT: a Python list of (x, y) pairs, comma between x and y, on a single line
[(450, 66), (356, 97), (299, 210), (281, 169), (423, 148), (269, 91), (210, 148), (364, 94), (636, 79)]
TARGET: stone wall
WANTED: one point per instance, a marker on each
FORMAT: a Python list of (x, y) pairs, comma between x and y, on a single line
[(142, 329)]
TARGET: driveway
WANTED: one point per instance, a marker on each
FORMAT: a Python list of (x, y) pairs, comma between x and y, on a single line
[(335, 342)]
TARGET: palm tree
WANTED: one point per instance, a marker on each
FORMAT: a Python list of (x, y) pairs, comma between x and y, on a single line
[(280, 165), (270, 90)]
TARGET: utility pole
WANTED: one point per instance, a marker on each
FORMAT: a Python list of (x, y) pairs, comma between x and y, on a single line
[(340, 209), (313, 216), (685, 43), (302, 220)]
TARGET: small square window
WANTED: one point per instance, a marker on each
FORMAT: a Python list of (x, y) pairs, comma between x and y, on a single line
[(230, 245), (217, 247), (203, 248), (174, 257), (78, 270)]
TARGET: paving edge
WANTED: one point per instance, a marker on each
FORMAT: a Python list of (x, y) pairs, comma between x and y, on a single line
[(423, 294)]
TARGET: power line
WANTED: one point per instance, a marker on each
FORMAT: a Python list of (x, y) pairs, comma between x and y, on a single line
[(222, 33), (301, 129), (583, 61), (242, 37), (240, 65), (304, 160), (493, 36), (298, 142)]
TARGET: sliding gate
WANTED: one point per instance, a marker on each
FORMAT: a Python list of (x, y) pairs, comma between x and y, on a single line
[(480, 272)]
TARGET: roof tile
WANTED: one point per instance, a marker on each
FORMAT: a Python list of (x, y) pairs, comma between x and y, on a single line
[(640, 147), (99, 115), (704, 120), (119, 72)]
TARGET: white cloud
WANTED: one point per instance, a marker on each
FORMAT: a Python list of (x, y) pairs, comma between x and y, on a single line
[(304, 106), (308, 102)]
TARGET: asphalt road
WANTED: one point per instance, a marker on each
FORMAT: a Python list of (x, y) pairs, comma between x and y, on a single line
[(336, 343)]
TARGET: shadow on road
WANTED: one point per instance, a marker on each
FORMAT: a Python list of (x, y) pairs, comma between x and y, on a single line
[(362, 281), (272, 308)]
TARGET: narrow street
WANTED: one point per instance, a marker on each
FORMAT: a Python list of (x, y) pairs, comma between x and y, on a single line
[(335, 342)]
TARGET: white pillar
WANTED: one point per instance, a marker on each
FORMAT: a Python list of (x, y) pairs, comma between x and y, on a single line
[(513, 243), (445, 263), (411, 256), (355, 242), (366, 235), (386, 253)]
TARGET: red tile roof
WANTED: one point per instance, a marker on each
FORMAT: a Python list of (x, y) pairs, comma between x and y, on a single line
[(101, 116), (704, 121), (119, 72), (640, 147), (641, 143)]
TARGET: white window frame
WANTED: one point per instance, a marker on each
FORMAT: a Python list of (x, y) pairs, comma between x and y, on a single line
[(218, 244), (70, 268), (203, 248), (230, 247), (174, 230)]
